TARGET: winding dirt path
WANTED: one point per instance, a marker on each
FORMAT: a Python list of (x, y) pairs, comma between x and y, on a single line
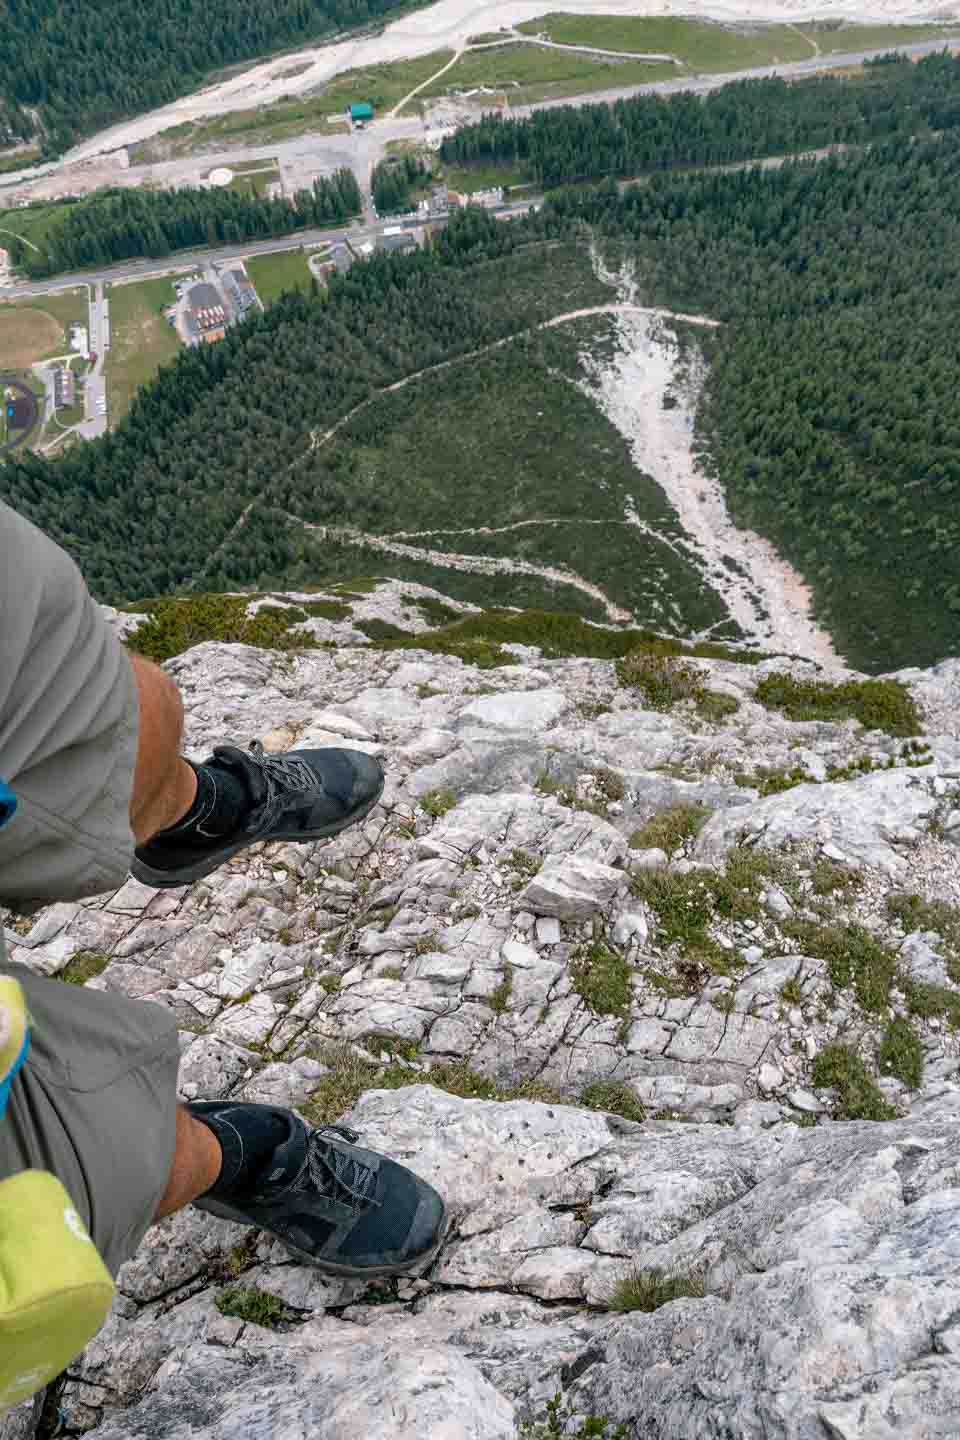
[(320, 438), (475, 564)]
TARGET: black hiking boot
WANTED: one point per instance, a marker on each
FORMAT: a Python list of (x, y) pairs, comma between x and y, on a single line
[(300, 795), (346, 1210)]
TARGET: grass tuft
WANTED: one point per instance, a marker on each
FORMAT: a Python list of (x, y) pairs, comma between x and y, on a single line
[(854, 958), (928, 1000), (614, 1097), (438, 802), (647, 1290), (901, 1053), (858, 1098), (499, 1000), (915, 913), (601, 977), (668, 829)]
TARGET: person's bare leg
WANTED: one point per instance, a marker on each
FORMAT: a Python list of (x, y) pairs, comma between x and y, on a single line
[(196, 1164), (164, 785)]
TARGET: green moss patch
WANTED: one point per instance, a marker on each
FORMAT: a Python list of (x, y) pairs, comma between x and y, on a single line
[(84, 966), (858, 1098), (248, 1302), (177, 624), (878, 704)]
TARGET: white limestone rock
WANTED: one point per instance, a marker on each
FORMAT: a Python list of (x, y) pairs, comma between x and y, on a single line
[(867, 818), (526, 710), (571, 888)]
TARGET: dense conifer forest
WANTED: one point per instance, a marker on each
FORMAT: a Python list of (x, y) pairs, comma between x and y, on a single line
[(118, 224), (830, 413), (80, 65), (394, 181), (744, 120)]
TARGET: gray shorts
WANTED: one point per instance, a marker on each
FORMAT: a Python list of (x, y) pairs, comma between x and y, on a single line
[(96, 1101)]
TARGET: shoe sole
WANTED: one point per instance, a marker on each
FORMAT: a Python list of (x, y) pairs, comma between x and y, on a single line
[(187, 874), (330, 1267)]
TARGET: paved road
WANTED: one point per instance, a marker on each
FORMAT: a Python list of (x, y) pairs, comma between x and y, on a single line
[(181, 261), (184, 260), (94, 421)]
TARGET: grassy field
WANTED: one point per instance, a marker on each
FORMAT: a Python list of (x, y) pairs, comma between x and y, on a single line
[(19, 161), (480, 177), (242, 167), (706, 47), (37, 329), (32, 223), (528, 72), (25, 335), (836, 38), (254, 183), (272, 274), (381, 85), (140, 340)]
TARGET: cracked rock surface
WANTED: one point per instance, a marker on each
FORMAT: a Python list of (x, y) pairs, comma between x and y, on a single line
[(480, 981)]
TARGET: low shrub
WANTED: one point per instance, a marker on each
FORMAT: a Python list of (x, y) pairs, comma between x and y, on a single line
[(327, 609), (176, 624), (878, 704), (716, 706), (661, 680)]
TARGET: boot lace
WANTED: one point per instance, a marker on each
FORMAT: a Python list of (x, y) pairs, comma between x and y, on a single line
[(281, 774), (337, 1174)]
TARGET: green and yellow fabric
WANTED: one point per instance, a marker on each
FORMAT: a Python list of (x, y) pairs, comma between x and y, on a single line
[(55, 1291)]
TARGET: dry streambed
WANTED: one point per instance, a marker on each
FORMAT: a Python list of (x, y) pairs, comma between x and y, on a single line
[(766, 596)]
